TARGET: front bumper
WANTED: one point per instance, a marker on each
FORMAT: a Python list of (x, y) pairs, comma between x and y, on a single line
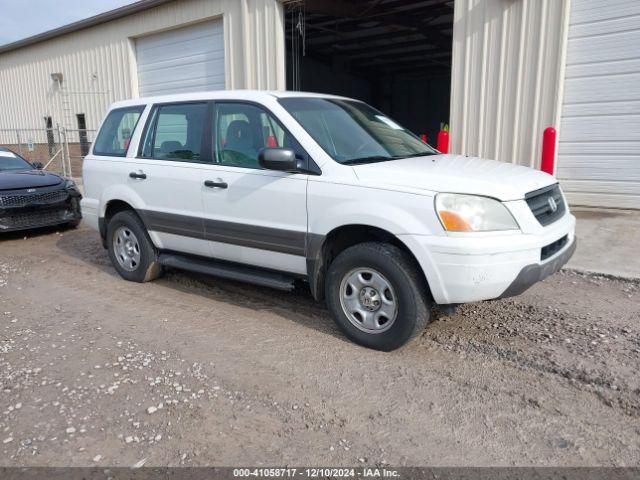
[(462, 269), (64, 207), (535, 272)]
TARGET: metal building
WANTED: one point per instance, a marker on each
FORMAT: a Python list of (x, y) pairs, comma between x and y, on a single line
[(497, 71)]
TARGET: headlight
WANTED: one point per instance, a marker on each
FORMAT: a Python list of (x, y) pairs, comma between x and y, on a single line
[(71, 186), (470, 213)]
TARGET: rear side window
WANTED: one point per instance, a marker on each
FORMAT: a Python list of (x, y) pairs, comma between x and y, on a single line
[(176, 132), (115, 134)]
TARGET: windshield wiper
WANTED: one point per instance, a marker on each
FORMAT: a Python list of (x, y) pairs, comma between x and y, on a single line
[(382, 158), (371, 159), (423, 154)]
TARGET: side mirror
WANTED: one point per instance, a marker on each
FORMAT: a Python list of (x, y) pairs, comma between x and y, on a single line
[(37, 165), (280, 159)]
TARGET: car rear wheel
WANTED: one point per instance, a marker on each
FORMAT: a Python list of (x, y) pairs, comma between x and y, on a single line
[(73, 224), (377, 295), (130, 248)]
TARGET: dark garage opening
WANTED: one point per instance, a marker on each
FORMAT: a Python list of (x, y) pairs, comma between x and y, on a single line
[(392, 54)]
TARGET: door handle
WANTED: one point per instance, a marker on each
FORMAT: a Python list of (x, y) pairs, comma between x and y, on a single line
[(212, 184), (139, 175)]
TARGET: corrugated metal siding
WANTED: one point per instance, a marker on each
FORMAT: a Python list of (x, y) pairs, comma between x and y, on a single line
[(99, 67), (598, 153), (506, 76), (187, 59), (93, 76)]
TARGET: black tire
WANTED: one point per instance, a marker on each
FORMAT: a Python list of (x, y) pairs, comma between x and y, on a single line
[(73, 224), (411, 292), (147, 268)]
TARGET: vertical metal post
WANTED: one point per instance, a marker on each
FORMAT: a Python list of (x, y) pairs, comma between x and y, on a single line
[(66, 159), (548, 163), (19, 142), (62, 154), (69, 173)]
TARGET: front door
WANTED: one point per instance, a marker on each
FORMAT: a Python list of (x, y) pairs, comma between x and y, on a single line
[(253, 216), (169, 176)]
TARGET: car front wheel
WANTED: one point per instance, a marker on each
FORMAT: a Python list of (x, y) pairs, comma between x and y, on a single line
[(130, 248), (73, 224), (377, 295)]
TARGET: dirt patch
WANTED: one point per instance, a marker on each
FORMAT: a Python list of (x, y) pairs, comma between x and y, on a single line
[(190, 370)]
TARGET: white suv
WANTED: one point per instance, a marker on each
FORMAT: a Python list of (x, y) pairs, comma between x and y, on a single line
[(274, 187)]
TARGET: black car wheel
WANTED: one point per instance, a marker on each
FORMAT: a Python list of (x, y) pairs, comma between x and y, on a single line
[(377, 295), (130, 248)]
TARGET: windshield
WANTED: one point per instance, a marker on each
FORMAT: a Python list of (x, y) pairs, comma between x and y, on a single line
[(352, 132), (9, 161)]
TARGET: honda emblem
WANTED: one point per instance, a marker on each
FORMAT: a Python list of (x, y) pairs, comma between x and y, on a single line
[(552, 204)]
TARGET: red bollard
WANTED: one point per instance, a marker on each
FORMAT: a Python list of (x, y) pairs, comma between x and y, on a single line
[(443, 141), (423, 137), (548, 150)]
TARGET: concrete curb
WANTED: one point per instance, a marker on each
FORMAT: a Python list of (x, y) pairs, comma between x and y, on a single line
[(610, 276)]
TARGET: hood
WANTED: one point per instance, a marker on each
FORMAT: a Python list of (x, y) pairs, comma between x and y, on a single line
[(456, 174), (27, 179)]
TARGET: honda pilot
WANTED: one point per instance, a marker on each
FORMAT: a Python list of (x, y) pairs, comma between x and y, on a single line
[(277, 187)]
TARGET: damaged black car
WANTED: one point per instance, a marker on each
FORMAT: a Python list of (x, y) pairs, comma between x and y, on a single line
[(31, 198)]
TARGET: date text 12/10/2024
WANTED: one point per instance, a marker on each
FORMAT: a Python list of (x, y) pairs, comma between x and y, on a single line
[(325, 472)]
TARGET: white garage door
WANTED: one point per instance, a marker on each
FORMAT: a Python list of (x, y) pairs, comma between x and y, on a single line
[(187, 59), (599, 149)]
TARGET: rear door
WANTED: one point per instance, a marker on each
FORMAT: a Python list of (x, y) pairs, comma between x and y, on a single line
[(169, 172), (253, 216)]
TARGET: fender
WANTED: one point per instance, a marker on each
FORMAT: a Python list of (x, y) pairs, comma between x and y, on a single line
[(317, 254), (122, 193), (397, 214)]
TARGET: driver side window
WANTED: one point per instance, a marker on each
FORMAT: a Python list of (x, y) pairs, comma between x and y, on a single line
[(242, 130)]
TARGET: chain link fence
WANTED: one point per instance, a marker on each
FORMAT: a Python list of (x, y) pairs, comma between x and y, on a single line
[(58, 149)]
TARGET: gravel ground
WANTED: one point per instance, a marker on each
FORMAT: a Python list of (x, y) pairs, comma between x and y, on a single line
[(190, 370)]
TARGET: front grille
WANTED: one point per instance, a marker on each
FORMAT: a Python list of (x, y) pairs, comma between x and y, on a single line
[(25, 199), (542, 203), (553, 248), (34, 219)]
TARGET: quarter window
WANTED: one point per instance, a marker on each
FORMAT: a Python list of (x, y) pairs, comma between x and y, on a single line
[(176, 132), (115, 134), (242, 130)]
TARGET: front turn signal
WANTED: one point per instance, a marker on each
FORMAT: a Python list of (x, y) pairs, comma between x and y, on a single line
[(454, 223)]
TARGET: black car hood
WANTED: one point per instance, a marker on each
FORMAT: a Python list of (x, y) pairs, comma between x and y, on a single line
[(27, 179)]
